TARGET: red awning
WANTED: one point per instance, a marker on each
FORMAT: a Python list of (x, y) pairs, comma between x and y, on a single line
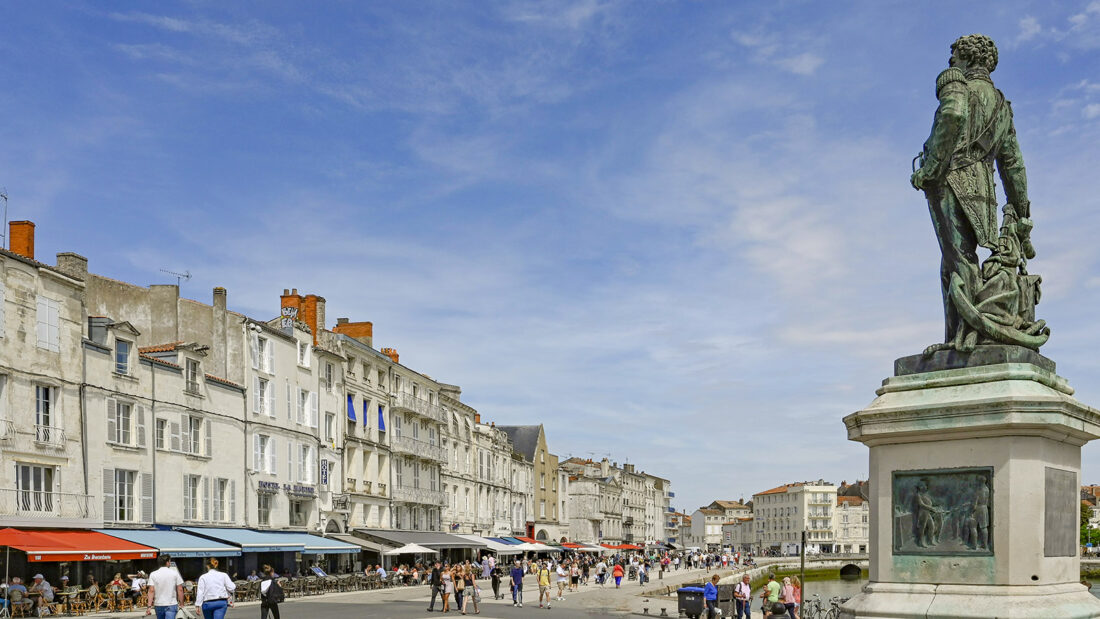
[(528, 540), (572, 545), (73, 546), (629, 547)]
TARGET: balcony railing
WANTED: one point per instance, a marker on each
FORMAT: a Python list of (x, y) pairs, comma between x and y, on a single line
[(420, 406), (35, 504), (417, 447), (409, 494), (49, 436), (7, 430)]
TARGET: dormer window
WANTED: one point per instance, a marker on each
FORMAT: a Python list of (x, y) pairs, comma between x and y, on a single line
[(122, 356), (193, 376), (303, 354)]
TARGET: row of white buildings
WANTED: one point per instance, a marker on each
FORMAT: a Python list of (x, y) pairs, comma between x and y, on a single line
[(835, 519), (129, 406)]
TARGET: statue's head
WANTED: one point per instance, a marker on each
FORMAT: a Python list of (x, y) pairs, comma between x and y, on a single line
[(977, 50)]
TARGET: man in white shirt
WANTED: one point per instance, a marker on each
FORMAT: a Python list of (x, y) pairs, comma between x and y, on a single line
[(165, 593), (139, 580), (563, 579), (380, 571), (742, 594)]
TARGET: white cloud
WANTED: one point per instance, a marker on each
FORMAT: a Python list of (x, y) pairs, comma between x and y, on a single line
[(766, 49), (1029, 29), (1091, 110), (802, 64)]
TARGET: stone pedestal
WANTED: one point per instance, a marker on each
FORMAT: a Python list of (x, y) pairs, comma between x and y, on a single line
[(974, 472)]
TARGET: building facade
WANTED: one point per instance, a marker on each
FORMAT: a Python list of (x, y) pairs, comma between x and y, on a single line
[(549, 518), (781, 514)]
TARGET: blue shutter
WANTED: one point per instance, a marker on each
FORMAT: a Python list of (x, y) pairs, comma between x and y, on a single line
[(351, 407), (381, 419)]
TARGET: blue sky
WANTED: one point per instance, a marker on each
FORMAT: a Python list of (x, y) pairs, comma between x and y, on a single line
[(678, 233)]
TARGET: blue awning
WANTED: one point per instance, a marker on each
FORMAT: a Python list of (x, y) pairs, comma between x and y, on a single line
[(381, 419), (248, 540), (511, 541), (317, 545), (351, 407), (174, 543)]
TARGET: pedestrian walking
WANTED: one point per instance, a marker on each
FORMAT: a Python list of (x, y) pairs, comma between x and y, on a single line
[(271, 594), (542, 576), (616, 573), (459, 577), (448, 588), (214, 592), (710, 596), (494, 577), (165, 590), (517, 584), (436, 583), (470, 592), (788, 597), (770, 595), (742, 596), (563, 576)]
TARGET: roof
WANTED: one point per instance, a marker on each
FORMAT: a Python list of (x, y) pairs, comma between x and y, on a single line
[(160, 361), (525, 439), (729, 505), (160, 347), (224, 381), (849, 500), (776, 490), (710, 512)]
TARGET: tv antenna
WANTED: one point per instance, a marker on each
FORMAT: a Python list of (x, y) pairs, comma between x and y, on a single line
[(185, 276)]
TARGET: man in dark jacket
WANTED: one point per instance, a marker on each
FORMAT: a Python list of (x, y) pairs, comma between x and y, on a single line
[(436, 581), (517, 584)]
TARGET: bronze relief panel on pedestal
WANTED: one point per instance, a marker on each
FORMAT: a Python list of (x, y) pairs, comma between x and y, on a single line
[(943, 512)]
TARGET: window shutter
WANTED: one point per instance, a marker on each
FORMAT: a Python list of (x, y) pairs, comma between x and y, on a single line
[(2, 290), (55, 326), (206, 498), (209, 438), (256, 395), (112, 420), (269, 361), (292, 470), (140, 413), (146, 497), (43, 330), (314, 420), (289, 403), (232, 500), (312, 466), (298, 404), (186, 423), (110, 511), (175, 432), (254, 345), (257, 464), (269, 405), (272, 458)]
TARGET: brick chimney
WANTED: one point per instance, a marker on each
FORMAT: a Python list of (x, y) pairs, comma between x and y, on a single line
[(361, 331), (477, 417), (313, 313), (391, 353), (21, 238)]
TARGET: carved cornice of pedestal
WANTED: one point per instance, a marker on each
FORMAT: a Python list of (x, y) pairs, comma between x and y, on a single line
[(1009, 399)]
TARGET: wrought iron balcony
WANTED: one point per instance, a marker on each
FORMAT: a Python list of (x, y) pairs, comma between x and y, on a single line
[(7, 430), (410, 403), (45, 508), (418, 448), (49, 436), (408, 494)]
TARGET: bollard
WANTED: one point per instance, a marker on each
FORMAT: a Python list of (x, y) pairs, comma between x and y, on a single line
[(645, 610), (664, 612)]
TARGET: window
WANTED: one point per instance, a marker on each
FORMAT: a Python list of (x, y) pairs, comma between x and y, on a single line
[(298, 513), (35, 487), (554, 482), (305, 464), (263, 453), (193, 436), (192, 376), (381, 379), (263, 509), (161, 431), (265, 356), (327, 379), (366, 372), (542, 509), (119, 422), (399, 472), (122, 356), (2, 290), (123, 504), (49, 324), (330, 427), (43, 402), (223, 500), (542, 481), (191, 497), (303, 354), (263, 397), (416, 474)]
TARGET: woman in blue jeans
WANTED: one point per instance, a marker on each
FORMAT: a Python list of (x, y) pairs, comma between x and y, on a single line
[(214, 592)]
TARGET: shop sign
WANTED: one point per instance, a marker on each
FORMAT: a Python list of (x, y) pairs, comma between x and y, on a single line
[(324, 472), (267, 486), (299, 490)]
